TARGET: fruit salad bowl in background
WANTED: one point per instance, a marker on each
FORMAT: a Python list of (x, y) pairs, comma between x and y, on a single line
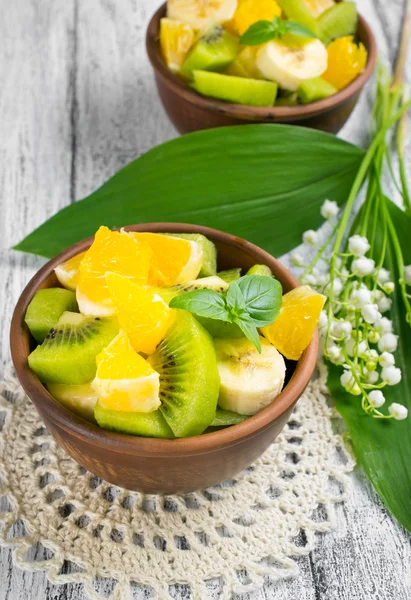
[(161, 465), (192, 111)]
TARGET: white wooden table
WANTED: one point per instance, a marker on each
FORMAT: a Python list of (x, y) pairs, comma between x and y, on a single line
[(77, 102)]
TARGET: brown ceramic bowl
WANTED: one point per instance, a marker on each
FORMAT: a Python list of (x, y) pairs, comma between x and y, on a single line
[(162, 466), (190, 111)]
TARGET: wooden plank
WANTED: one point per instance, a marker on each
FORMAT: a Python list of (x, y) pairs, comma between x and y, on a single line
[(36, 51)]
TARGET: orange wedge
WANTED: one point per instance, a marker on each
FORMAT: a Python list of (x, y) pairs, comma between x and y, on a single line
[(251, 11), (293, 329), (174, 260), (124, 380), (114, 251), (67, 273), (176, 39), (142, 314)]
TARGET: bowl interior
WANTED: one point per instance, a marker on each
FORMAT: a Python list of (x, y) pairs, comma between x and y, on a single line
[(173, 81), (232, 252)]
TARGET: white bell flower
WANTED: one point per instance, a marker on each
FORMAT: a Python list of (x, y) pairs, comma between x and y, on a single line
[(387, 359), (323, 322), (389, 287), (398, 411), (384, 325), (391, 375), (363, 266), (376, 398), (370, 313), (309, 279), (358, 245), (297, 259), (343, 329), (388, 343), (329, 209), (373, 377), (383, 276), (310, 237), (361, 297), (384, 304)]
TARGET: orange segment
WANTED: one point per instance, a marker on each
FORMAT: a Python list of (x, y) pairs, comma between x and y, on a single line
[(176, 39), (142, 314), (293, 329), (346, 61), (174, 260), (251, 11), (124, 380), (114, 251), (67, 273)]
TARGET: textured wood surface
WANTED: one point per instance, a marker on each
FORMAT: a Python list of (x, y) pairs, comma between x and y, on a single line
[(77, 102)]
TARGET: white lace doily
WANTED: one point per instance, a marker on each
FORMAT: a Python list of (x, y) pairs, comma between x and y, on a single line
[(226, 539)]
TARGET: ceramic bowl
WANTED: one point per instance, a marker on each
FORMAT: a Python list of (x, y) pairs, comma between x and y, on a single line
[(156, 466), (190, 111)]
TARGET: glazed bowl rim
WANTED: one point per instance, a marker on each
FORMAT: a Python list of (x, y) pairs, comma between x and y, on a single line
[(293, 113), (61, 416)]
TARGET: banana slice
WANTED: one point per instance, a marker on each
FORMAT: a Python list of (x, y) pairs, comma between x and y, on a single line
[(201, 13), (289, 65), (249, 381)]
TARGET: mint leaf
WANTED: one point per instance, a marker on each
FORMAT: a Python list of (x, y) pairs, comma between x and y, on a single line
[(235, 299), (245, 323), (300, 30), (262, 32), (204, 303), (258, 33), (263, 298)]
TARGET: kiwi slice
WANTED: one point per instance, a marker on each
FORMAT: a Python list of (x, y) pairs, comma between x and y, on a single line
[(238, 90), (46, 308), (230, 275), (214, 51), (209, 267), (80, 399), (226, 418), (297, 10), (315, 89), (189, 380), (207, 283), (68, 354), (220, 329), (261, 270), (133, 423), (338, 21)]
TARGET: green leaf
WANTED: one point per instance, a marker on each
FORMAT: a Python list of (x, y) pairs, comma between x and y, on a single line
[(384, 447), (265, 183), (263, 298), (259, 33), (247, 326), (235, 299), (300, 30), (265, 31), (204, 303)]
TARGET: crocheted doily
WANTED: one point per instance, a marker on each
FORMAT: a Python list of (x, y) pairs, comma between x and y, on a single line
[(219, 542)]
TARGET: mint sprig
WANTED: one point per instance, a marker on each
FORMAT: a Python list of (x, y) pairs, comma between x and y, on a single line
[(251, 302), (262, 32)]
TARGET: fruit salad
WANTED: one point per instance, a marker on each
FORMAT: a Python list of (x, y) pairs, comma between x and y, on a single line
[(263, 52), (146, 337)]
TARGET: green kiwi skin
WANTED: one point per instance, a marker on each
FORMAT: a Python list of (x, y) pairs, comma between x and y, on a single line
[(209, 266), (227, 418), (261, 270), (236, 90), (68, 354), (315, 89), (189, 378), (230, 275), (214, 51), (337, 21), (133, 423), (45, 310)]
